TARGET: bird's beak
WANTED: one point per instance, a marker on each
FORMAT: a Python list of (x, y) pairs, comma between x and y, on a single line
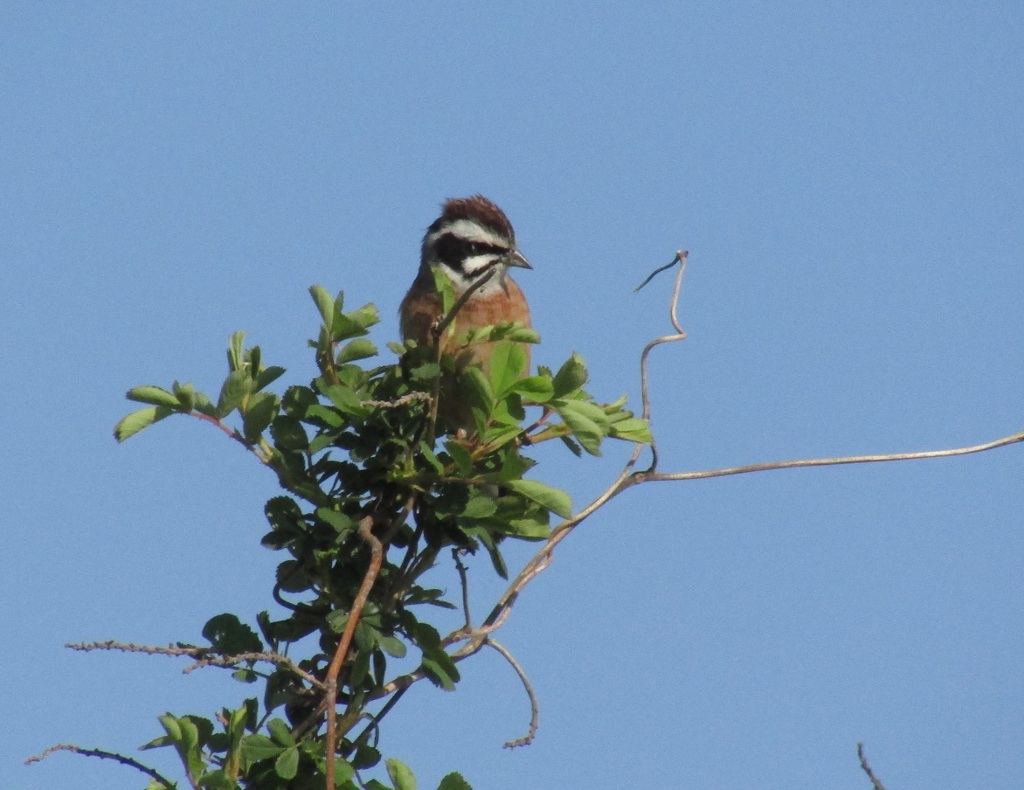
[(516, 258)]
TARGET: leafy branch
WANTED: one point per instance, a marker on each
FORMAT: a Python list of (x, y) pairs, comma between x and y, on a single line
[(375, 495)]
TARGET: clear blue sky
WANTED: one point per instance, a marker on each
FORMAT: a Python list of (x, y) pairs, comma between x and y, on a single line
[(849, 179)]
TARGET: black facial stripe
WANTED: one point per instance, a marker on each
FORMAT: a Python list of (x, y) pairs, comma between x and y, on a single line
[(453, 250)]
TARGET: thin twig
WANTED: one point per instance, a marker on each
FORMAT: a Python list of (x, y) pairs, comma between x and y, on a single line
[(473, 639), (645, 398), (394, 404), (104, 755), (445, 322), (204, 656), (867, 768), (463, 581), (527, 739), (644, 477), (252, 448), (331, 681)]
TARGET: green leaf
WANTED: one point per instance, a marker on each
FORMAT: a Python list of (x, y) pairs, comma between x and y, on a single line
[(440, 669), (554, 499), (131, 424), (360, 348), (425, 372), (365, 316), (539, 389), (259, 413), (268, 376), (343, 772), (400, 774), (632, 429), (342, 523), (287, 763), (346, 400), (230, 635), (280, 732), (454, 781), (508, 362), (259, 747), (236, 387), (288, 433), (393, 646), (479, 506), (584, 423), (443, 285), (477, 388), (236, 355), (157, 396), (325, 303), (570, 377), (460, 456)]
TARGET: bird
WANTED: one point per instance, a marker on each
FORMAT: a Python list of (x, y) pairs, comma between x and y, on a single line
[(474, 245)]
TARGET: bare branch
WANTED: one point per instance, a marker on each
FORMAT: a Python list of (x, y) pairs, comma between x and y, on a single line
[(644, 477), (875, 781), (527, 739), (204, 656), (645, 398), (394, 404), (331, 681), (105, 755), (461, 568)]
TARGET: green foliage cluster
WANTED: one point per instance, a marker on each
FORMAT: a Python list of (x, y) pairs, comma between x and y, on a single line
[(358, 449)]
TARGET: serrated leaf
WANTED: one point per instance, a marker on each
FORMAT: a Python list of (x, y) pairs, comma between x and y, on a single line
[(157, 396), (400, 774), (479, 506), (268, 376), (346, 400), (230, 635), (632, 429), (342, 523), (365, 316), (259, 413), (425, 372), (258, 747), (573, 447), (360, 348), (570, 377), (235, 388), (392, 645), (131, 424), (286, 765), (539, 389), (280, 732), (454, 781), (439, 670)]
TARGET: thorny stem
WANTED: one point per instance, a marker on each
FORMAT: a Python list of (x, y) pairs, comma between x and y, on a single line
[(104, 755)]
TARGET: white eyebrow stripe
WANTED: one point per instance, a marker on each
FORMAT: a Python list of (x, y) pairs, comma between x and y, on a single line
[(470, 231)]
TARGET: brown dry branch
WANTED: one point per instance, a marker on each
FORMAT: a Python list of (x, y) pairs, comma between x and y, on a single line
[(527, 739)]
